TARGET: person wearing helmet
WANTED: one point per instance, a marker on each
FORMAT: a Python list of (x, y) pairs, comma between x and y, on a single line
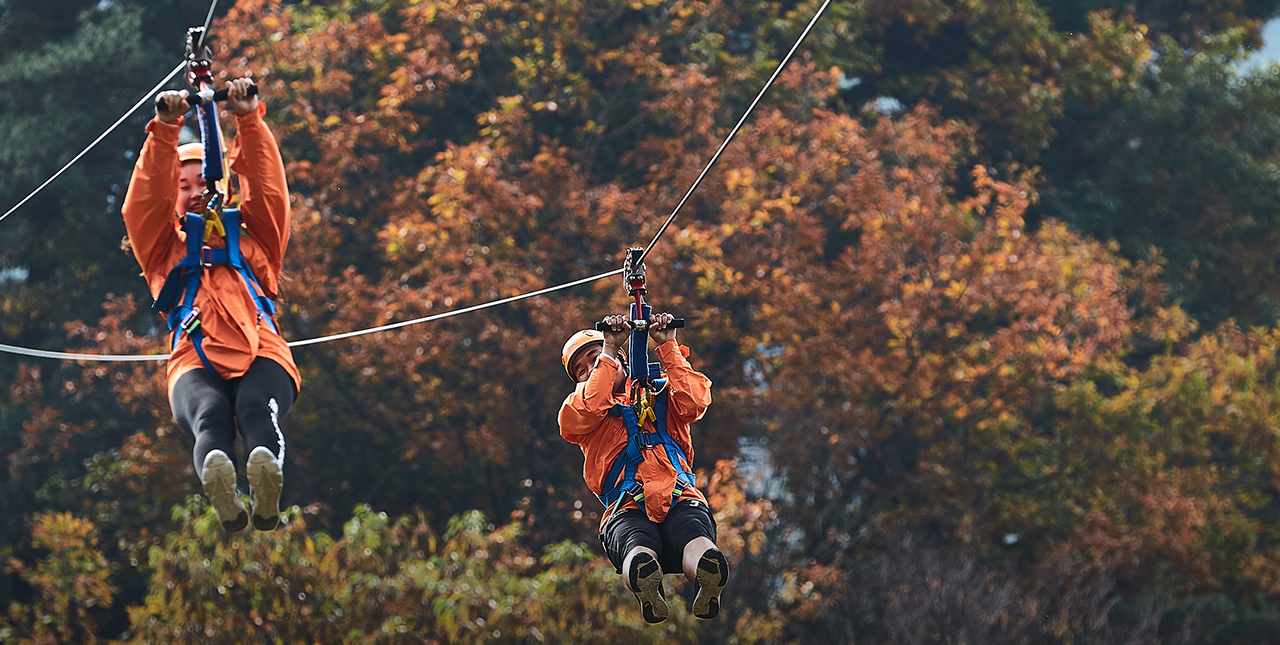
[(229, 368), (655, 518)]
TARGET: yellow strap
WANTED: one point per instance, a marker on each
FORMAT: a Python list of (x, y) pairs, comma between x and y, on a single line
[(213, 222), (646, 412), (646, 409)]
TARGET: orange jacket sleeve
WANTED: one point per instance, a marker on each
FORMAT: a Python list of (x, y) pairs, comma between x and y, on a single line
[(688, 394), (590, 402), (150, 205), (689, 390), (255, 157)]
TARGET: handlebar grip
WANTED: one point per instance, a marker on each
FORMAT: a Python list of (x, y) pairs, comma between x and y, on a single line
[(675, 323), (221, 95), (194, 99)]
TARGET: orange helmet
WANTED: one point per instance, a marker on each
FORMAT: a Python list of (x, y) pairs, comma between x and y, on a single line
[(577, 343), (190, 152)]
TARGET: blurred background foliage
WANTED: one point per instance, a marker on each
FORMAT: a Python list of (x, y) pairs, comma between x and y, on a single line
[(986, 289)]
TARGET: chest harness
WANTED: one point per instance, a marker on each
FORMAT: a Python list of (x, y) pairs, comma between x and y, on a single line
[(177, 296), (622, 476), (649, 391)]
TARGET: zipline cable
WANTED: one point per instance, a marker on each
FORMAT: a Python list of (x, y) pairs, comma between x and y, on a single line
[(100, 138), (457, 312), (97, 358), (737, 127), (135, 358), (205, 32), (153, 90)]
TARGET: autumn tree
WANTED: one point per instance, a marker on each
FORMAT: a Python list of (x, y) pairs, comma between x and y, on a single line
[(1183, 165), (70, 585), (953, 410), (386, 580)]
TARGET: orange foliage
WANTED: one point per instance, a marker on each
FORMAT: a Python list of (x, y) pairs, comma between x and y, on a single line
[(939, 393)]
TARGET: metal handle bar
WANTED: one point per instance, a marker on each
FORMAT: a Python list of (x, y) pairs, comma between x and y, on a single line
[(195, 98), (641, 325)]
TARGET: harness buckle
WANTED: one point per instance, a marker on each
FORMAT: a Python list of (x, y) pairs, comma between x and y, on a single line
[(634, 490), (206, 256), (191, 320)]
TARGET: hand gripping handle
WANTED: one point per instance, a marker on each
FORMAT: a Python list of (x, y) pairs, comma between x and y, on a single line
[(641, 325), (194, 98)]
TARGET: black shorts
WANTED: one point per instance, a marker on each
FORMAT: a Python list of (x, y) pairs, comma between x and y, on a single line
[(630, 528)]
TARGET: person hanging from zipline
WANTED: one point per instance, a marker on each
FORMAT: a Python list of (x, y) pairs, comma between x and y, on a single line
[(216, 273), (638, 462)]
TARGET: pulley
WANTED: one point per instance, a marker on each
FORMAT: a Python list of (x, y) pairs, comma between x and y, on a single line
[(642, 372)]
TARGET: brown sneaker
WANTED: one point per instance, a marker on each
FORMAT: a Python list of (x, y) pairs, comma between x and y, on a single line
[(645, 581), (713, 573)]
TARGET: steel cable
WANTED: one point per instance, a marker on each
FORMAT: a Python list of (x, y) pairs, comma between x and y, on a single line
[(102, 136), (737, 127), (11, 349)]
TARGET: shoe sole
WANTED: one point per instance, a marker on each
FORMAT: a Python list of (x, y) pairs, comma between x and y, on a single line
[(646, 583), (713, 573), (219, 482), (266, 480)]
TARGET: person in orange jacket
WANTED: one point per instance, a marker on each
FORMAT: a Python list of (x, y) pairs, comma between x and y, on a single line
[(655, 518), (229, 368)]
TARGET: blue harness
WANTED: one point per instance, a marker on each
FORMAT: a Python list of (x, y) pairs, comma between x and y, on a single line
[(178, 295), (628, 461)]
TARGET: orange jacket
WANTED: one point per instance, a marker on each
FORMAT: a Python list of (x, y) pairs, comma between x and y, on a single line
[(232, 335), (585, 421)]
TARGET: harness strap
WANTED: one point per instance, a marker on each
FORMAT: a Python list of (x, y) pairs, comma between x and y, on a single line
[(211, 136), (183, 282), (178, 294), (621, 477), (684, 479), (627, 462), (266, 306)]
